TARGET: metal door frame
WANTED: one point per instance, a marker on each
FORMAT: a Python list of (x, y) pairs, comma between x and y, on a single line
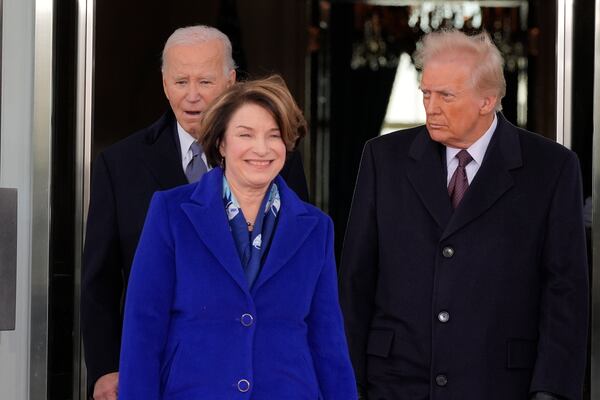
[(83, 148), (40, 205), (41, 178), (564, 71), (595, 290)]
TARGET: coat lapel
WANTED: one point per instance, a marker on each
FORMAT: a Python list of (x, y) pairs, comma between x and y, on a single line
[(426, 174), (206, 212), (493, 178), (292, 230), (162, 157)]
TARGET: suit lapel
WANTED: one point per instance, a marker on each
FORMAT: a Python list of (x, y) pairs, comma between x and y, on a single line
[(426, 174), (293, 228), (206, 212), (162, 157), (493, 178)]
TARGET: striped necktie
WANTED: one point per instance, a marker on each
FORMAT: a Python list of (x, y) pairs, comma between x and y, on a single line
[(196, 167)]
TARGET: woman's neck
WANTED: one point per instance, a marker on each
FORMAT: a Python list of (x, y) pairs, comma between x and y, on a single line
[(249, 200)]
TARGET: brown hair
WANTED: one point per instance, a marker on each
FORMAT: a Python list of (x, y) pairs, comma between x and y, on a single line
[(271, 93)]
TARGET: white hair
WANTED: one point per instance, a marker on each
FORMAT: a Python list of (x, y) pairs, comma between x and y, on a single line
[(197, 34), (487, 74)]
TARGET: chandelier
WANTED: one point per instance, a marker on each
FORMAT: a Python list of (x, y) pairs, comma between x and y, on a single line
[(430, 15)]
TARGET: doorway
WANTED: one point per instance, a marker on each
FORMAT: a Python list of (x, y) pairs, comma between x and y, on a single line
[(340, 59)]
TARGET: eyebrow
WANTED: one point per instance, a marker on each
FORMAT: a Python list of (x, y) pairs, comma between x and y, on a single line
[(435, 89), (250, 128), (443, 90), (188, 76)]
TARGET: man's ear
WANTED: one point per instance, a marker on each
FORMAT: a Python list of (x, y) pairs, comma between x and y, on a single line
[(488, 104), (164, 82), (231, 78)]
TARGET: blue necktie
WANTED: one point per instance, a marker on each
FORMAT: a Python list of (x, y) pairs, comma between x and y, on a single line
[(196, 167)]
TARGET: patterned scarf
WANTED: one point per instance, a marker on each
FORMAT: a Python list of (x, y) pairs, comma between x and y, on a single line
[(252, 246)]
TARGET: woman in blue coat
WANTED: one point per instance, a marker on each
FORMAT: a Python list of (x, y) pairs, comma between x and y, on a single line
[(233, 291)]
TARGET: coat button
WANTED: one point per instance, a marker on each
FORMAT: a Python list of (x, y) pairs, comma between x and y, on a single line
[(247, 320), (444, 316), (441, 380), (448, 252), (243, 385)]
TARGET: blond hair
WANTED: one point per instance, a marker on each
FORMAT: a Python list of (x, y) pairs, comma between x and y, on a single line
[(487, 74)]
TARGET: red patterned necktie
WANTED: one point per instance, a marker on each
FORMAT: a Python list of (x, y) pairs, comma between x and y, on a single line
[(459, 183)]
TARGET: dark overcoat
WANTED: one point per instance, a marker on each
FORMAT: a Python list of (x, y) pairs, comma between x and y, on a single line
[(488, 301)]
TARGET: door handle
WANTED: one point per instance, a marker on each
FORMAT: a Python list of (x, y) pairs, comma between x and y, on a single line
[(8, 258)]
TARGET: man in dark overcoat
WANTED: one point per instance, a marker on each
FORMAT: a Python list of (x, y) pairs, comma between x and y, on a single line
[(463, 273)]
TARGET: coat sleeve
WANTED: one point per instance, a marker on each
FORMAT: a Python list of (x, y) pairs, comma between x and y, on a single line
[(358, 270), (147, 307), (102, 279), (293, 174), (563, 325), (326, 338)]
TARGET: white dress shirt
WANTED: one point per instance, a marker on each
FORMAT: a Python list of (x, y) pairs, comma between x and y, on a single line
[(185, 141), (477, 151)]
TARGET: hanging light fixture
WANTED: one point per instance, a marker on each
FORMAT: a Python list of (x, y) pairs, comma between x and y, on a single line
[(431, 15)]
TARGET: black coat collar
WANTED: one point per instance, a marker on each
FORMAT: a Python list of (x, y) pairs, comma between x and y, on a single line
[(162, 154), (427, 175)]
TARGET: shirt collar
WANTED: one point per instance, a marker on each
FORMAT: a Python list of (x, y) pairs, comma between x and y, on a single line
[(476, 150), (185, 140)]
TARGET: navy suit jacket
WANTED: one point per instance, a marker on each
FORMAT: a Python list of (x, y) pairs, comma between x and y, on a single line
[(124, 178), (194, 330), (488, 301)]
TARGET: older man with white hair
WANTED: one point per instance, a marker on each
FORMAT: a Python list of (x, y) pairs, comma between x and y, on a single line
[(197, 67), (463, 273)]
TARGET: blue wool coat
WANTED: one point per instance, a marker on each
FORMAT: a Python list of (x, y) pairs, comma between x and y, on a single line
[(194, 330)]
